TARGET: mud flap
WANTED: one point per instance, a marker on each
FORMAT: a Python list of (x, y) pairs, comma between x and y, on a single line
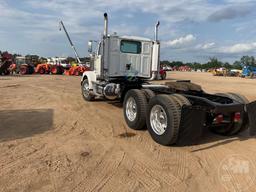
[(251, 110), (191, 125)]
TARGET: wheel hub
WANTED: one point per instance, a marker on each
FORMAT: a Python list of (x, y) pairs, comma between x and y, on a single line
[(86, 89), (158, 119), (131, 109)]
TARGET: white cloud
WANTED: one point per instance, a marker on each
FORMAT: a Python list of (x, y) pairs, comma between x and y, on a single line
[(205, 46), (239, 48), (180, 42)]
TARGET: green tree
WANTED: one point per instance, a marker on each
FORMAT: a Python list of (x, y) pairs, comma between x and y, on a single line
[(237, 65), (213, 63), (227, 65), (248, 61)]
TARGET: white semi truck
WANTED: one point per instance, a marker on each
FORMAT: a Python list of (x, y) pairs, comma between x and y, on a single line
[(174, 113)]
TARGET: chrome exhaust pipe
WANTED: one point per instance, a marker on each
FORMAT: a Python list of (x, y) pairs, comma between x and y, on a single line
[(105, 25), (155, 68), (153, 76), (156, 30)]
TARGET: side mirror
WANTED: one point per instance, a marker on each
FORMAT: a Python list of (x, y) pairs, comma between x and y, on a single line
[(90, 46)]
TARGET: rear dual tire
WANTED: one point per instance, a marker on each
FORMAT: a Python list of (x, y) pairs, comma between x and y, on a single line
[(164, 116), (161, 114)]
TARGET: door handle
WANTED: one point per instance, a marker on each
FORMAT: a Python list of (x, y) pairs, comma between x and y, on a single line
[(128, 66)]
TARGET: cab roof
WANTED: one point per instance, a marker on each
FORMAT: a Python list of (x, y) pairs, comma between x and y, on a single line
[(135, 38)]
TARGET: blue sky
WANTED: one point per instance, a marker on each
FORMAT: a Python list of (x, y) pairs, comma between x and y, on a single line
[(191, 30)]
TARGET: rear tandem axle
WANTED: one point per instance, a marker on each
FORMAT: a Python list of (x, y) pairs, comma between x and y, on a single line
[(179, 111)]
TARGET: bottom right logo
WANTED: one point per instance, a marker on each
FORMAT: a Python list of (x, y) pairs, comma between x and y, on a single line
[(237, 173)]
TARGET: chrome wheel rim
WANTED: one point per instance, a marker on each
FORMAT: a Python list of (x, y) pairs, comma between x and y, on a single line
[(86, 89), (131, 109), (158, 119)]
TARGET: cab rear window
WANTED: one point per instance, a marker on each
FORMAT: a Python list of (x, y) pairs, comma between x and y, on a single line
[(133, 47)]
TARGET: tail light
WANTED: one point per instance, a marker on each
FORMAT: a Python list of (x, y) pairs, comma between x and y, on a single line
[(237, 117), (219, 119)]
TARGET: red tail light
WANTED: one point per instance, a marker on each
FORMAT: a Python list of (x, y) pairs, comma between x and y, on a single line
[(219, 119), (237, 117)]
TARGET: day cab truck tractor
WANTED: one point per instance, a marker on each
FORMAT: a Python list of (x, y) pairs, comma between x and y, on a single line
[(174, 113)]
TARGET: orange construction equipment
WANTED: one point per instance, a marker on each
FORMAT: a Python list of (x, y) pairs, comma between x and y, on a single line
[(13, 68), (43, 68), (57, 70), (48, 68), (76, 70)]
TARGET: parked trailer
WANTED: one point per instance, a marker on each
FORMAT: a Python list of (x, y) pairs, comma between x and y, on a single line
[(174, 113)]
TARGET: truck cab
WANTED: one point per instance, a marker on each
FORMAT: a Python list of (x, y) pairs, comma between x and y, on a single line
[(124, 56), (120, 61), (119, 57)]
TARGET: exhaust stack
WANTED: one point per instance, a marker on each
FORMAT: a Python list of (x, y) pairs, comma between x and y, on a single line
[(155, 68), (156, 30), (105, 25)]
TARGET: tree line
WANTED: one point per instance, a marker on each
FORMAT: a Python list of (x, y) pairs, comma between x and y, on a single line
[(214, 63)]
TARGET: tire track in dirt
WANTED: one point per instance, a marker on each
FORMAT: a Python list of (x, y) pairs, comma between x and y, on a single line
[(174, 160), (17, 160), (22, 168), (211, 161), (102, 173)]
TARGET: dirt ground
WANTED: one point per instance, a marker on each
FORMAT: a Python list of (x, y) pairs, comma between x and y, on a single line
[(52, 140)]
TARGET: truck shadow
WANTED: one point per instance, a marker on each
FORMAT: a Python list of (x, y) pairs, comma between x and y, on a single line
[(18, 124), (219, 140), (116, 104)]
